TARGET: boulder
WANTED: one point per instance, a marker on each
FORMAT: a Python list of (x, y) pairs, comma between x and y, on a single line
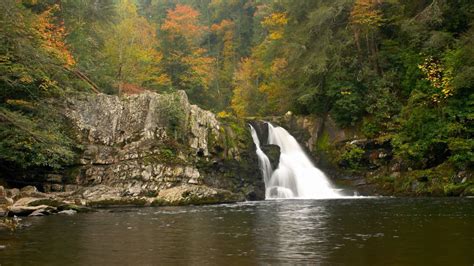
[(195, 195), (67, 212), (31, 191), (31, 201), (27, 210), (5, 201)]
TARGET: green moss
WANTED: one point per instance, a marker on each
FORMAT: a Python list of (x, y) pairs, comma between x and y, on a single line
[(323, 144), (454, 190)]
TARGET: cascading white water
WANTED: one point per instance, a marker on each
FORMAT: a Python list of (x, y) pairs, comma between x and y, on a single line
[(296, 176), (263, 160)]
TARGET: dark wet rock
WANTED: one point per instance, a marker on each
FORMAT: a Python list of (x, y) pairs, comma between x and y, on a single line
[(261, 128), (54, 178), (359, 182), (273, 154), (422, 179)]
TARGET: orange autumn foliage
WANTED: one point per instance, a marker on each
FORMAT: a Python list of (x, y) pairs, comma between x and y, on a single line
[(53, 36), (183, 21)]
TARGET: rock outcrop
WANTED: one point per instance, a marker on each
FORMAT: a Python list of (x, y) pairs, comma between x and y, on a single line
[(137, 146), (140, 149)]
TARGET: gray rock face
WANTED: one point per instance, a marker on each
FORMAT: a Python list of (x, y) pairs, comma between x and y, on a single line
[(136, 146), (273, 153), (109, 121)]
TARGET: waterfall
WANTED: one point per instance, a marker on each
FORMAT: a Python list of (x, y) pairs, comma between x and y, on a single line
[(263, 160), (296, 176)]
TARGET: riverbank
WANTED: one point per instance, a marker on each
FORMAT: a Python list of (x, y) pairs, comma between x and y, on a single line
[(28, 201)]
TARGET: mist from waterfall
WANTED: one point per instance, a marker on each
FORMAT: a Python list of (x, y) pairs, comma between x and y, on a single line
[(296, 176)]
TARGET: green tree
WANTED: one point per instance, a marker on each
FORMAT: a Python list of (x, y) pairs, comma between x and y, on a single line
[(130, 50)]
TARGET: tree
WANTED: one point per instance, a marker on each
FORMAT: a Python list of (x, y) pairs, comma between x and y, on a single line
[(247, 100), (185, 62), (33, 57), (225, 62), (130, 50)]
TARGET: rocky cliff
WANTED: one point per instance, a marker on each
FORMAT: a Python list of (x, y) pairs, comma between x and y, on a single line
[(153, 149)]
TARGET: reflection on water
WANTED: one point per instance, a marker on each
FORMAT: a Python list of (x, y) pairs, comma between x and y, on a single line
[(344, 231), (294, 229)]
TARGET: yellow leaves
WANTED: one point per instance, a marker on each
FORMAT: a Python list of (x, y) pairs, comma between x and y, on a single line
[(256, 81), (275, 35), (201, 67), (47, 84), (438, 77), (245, 89), (366, 13), (19, 103), (26, 79), (279, 66), (275, 23), (163, 80), (126, 9), (223, 114), (130, 49), (275, 20)]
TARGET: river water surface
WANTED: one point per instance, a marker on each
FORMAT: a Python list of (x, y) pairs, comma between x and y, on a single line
[(363, 231)]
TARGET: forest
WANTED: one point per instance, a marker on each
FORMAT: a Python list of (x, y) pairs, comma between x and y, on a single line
[(398, 70)]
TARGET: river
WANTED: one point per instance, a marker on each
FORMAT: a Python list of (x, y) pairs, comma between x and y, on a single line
[(359, 231)]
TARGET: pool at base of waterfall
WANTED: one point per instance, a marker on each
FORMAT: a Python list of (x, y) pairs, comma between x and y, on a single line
[(362, 231)]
